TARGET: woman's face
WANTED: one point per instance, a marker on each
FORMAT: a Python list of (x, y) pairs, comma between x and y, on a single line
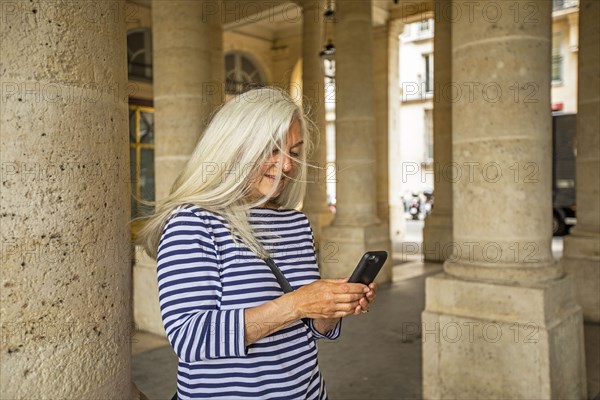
[(276, 162)]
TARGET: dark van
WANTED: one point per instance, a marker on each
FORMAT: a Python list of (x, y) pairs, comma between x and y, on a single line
[(563, 172)]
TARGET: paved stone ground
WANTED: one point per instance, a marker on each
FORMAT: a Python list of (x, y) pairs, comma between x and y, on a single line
[(377, 357)]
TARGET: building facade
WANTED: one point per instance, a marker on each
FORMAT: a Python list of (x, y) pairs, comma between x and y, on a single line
[(417, 88)]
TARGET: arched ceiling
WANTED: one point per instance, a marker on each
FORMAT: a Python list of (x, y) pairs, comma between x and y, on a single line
[(273, 19)]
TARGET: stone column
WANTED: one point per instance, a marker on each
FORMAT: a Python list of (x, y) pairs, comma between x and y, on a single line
[(582, 247), (388, 123), (188, 86), (313, 92), (355, 228), (503, 310), (386, 91), (66, 272), (216, 93), (437, 232), (387, 106), (185, 92)]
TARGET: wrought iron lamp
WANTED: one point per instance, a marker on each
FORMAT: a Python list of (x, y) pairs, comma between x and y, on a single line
[(327, 55)]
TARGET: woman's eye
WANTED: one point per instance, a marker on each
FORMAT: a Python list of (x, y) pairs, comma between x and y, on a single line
[(292, 153)]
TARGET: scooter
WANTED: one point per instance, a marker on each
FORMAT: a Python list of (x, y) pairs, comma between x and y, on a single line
[(428, 203), (414, 207)]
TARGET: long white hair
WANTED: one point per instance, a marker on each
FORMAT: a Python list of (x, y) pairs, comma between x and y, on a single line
[(221, 172)]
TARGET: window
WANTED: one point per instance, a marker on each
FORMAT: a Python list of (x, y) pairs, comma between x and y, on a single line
[(141, 153), (424, 26), (139, 54), (241, 74), (557, 59), (563, 4), (428, 66), (428, 128), (418, 31)]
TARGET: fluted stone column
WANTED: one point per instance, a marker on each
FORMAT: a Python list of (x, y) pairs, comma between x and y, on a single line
[(185, 35), (313, 91), (437, 232), (66, 272), (355, 228), (582, 247), (503, 310)]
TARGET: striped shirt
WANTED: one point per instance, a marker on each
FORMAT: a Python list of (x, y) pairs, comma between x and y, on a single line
[(206, 280)]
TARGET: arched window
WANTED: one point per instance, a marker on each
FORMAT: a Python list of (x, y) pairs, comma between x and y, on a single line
[(241, 73), (139, 54)]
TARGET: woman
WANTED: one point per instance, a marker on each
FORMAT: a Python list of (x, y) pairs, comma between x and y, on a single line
[(234, 331)]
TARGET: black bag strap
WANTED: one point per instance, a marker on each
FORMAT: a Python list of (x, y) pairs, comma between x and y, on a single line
[(282, 280)]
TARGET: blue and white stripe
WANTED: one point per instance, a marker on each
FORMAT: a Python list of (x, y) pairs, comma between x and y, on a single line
[(206, 280)]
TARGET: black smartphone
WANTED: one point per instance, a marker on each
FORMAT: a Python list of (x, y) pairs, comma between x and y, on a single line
[(368, 267)]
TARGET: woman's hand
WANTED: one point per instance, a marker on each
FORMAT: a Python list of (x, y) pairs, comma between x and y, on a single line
[(325, 301), (330, 298), (367, 299)]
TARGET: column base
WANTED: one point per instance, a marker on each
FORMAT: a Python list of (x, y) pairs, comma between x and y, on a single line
[(484, 340), (514, 273), (137, 394), (397, 223), (341, 248), (437, 237), (146, 310), (318, 220), (581, 260)]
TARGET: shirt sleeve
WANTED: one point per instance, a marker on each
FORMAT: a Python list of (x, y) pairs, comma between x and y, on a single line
[(189, 289), (331, 335), (337, 330)]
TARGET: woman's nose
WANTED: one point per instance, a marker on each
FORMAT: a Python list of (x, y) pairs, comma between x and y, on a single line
[(287, 164)]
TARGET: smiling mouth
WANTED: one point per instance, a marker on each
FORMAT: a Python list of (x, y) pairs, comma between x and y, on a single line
[(273, 177)]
